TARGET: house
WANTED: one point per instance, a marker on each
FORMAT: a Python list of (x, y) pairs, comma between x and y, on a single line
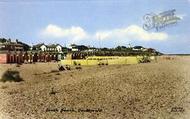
[(7, 45), (73, 47), (40, 47), (54, 48), (48, 48), (91, 49), (26, 47), (65, 49), (138, 48), (59, 48)]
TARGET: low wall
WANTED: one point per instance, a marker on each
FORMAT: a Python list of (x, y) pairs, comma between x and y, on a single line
[(108, 61)]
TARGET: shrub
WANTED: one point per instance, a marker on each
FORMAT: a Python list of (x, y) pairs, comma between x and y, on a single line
[(68, 67), (17, 65), (11, 76), (75, 63), (78, 67), (61, 68)]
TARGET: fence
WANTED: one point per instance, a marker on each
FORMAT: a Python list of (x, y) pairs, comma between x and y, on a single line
[(24, 57)]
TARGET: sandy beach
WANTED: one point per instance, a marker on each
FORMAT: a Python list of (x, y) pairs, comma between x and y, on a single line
[(142, 91)]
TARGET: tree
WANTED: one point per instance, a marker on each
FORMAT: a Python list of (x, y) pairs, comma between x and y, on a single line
[(82, 47), (9, 40), (3, 40), (119, 48), (123, 47), (105, 49)]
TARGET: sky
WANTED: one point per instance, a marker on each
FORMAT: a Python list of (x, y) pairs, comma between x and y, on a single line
[(99, 23)]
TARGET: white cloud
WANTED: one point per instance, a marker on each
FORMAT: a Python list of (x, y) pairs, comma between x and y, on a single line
[(75, 34), (132, 32)]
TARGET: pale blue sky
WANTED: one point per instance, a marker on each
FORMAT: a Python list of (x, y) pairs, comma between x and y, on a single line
[(64, 22)]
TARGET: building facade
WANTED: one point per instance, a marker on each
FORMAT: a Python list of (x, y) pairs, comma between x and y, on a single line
[(48, 48)]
